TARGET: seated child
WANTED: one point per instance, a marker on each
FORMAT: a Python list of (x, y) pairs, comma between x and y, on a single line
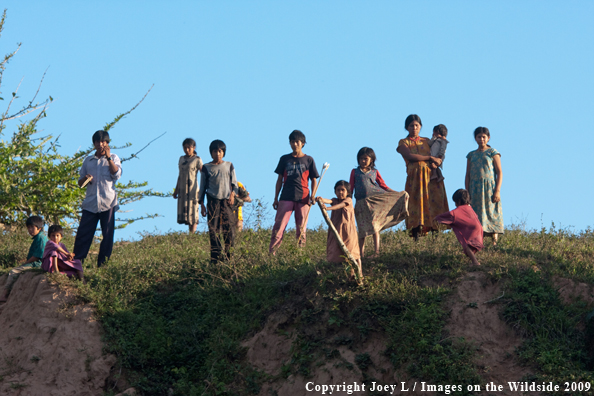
[(35, 229), (343, 219), (438, 144), (465, 224), (56, 258)]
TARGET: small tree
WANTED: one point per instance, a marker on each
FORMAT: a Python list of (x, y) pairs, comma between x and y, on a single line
[(35, 178)]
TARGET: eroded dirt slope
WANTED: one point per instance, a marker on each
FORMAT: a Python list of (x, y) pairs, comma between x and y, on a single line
[(48, 345)]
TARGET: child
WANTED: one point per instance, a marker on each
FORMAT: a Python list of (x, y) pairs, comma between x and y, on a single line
[(343, 219), (378, 207), (35, 229), (56, 258), (483, 182), (438, 144), (465, 224), (218, 181), (293, 171), (186, 189), (242, 197)]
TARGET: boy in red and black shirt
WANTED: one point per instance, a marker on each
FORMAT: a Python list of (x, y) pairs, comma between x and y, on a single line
[(294, 172)]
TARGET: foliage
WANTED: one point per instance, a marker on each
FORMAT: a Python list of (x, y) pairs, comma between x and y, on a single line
[(35, 178), (175, 321)]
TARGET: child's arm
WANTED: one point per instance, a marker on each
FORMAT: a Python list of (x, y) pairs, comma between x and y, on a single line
[(443, 145), (498, 176), (314, 183), (277, 189), (380, 182), (324, 200), (352, 181), (31, 260), (329, 201), (337, 206), (202, 192), (467, 178), (66, 253), (176, 188)]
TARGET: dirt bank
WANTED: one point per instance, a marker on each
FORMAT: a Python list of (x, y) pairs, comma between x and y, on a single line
[(49, 345)]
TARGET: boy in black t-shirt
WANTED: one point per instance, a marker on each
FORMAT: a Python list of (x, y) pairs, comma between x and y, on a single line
[(294, 171)]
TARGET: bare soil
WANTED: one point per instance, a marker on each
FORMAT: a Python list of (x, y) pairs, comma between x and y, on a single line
[(49, 344), (472, 317)]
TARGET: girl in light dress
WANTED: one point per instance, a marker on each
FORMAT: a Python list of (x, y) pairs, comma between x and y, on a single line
[(187, 188), (483, 182), (378, 207), (343, 219)]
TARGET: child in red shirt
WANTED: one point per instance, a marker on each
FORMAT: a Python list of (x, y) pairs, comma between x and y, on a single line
[(465, 224)]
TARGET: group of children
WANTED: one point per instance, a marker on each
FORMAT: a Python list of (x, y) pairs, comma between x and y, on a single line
[(51, 255), (377, 206)]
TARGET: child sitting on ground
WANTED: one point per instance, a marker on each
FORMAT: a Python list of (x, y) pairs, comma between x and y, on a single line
[(35, 229), (57, 258), (438, 144), (343, 219), (465, 224), (219, 183)]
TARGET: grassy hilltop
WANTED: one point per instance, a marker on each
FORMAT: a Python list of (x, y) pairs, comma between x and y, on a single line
[(177, 322)]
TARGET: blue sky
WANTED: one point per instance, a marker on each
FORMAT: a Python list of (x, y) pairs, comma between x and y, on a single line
[(345, 73)]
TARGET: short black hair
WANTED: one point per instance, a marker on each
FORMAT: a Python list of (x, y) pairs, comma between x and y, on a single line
[(461, 197), (346, 185), (297, 135), (368, 151), (34, 221), (441, 130), (217, 145), (190, 142), (101, 136), (410, 119), (56, 228)]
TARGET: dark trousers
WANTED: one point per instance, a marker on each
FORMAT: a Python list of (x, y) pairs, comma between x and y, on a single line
[(86, 232), (220, 220)]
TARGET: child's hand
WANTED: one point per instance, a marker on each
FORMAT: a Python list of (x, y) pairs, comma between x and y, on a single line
[(70, 256), (433, 166), (275, 204), (496, 198), (203, 210)]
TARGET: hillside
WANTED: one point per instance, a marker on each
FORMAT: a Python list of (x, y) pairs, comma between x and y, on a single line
[(261, 325)]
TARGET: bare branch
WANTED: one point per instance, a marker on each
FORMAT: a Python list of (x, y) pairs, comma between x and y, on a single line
[(109, 125), (136, 154)]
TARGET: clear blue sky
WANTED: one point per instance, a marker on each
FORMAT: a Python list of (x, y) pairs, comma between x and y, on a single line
[(345, 73)]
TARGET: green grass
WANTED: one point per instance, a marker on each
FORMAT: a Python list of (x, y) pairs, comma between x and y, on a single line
[(175, 321)]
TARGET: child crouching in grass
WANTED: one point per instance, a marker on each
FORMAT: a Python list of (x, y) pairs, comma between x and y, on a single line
[(57, 258), (343, 219), (465, 224)]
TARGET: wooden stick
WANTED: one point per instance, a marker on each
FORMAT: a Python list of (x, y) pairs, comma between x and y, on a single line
[(313, 195), (352, 261)]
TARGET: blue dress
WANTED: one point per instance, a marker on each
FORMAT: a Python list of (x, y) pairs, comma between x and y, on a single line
[(481, 188)]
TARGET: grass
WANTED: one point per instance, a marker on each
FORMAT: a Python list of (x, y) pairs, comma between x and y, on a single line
[(176, 322)]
